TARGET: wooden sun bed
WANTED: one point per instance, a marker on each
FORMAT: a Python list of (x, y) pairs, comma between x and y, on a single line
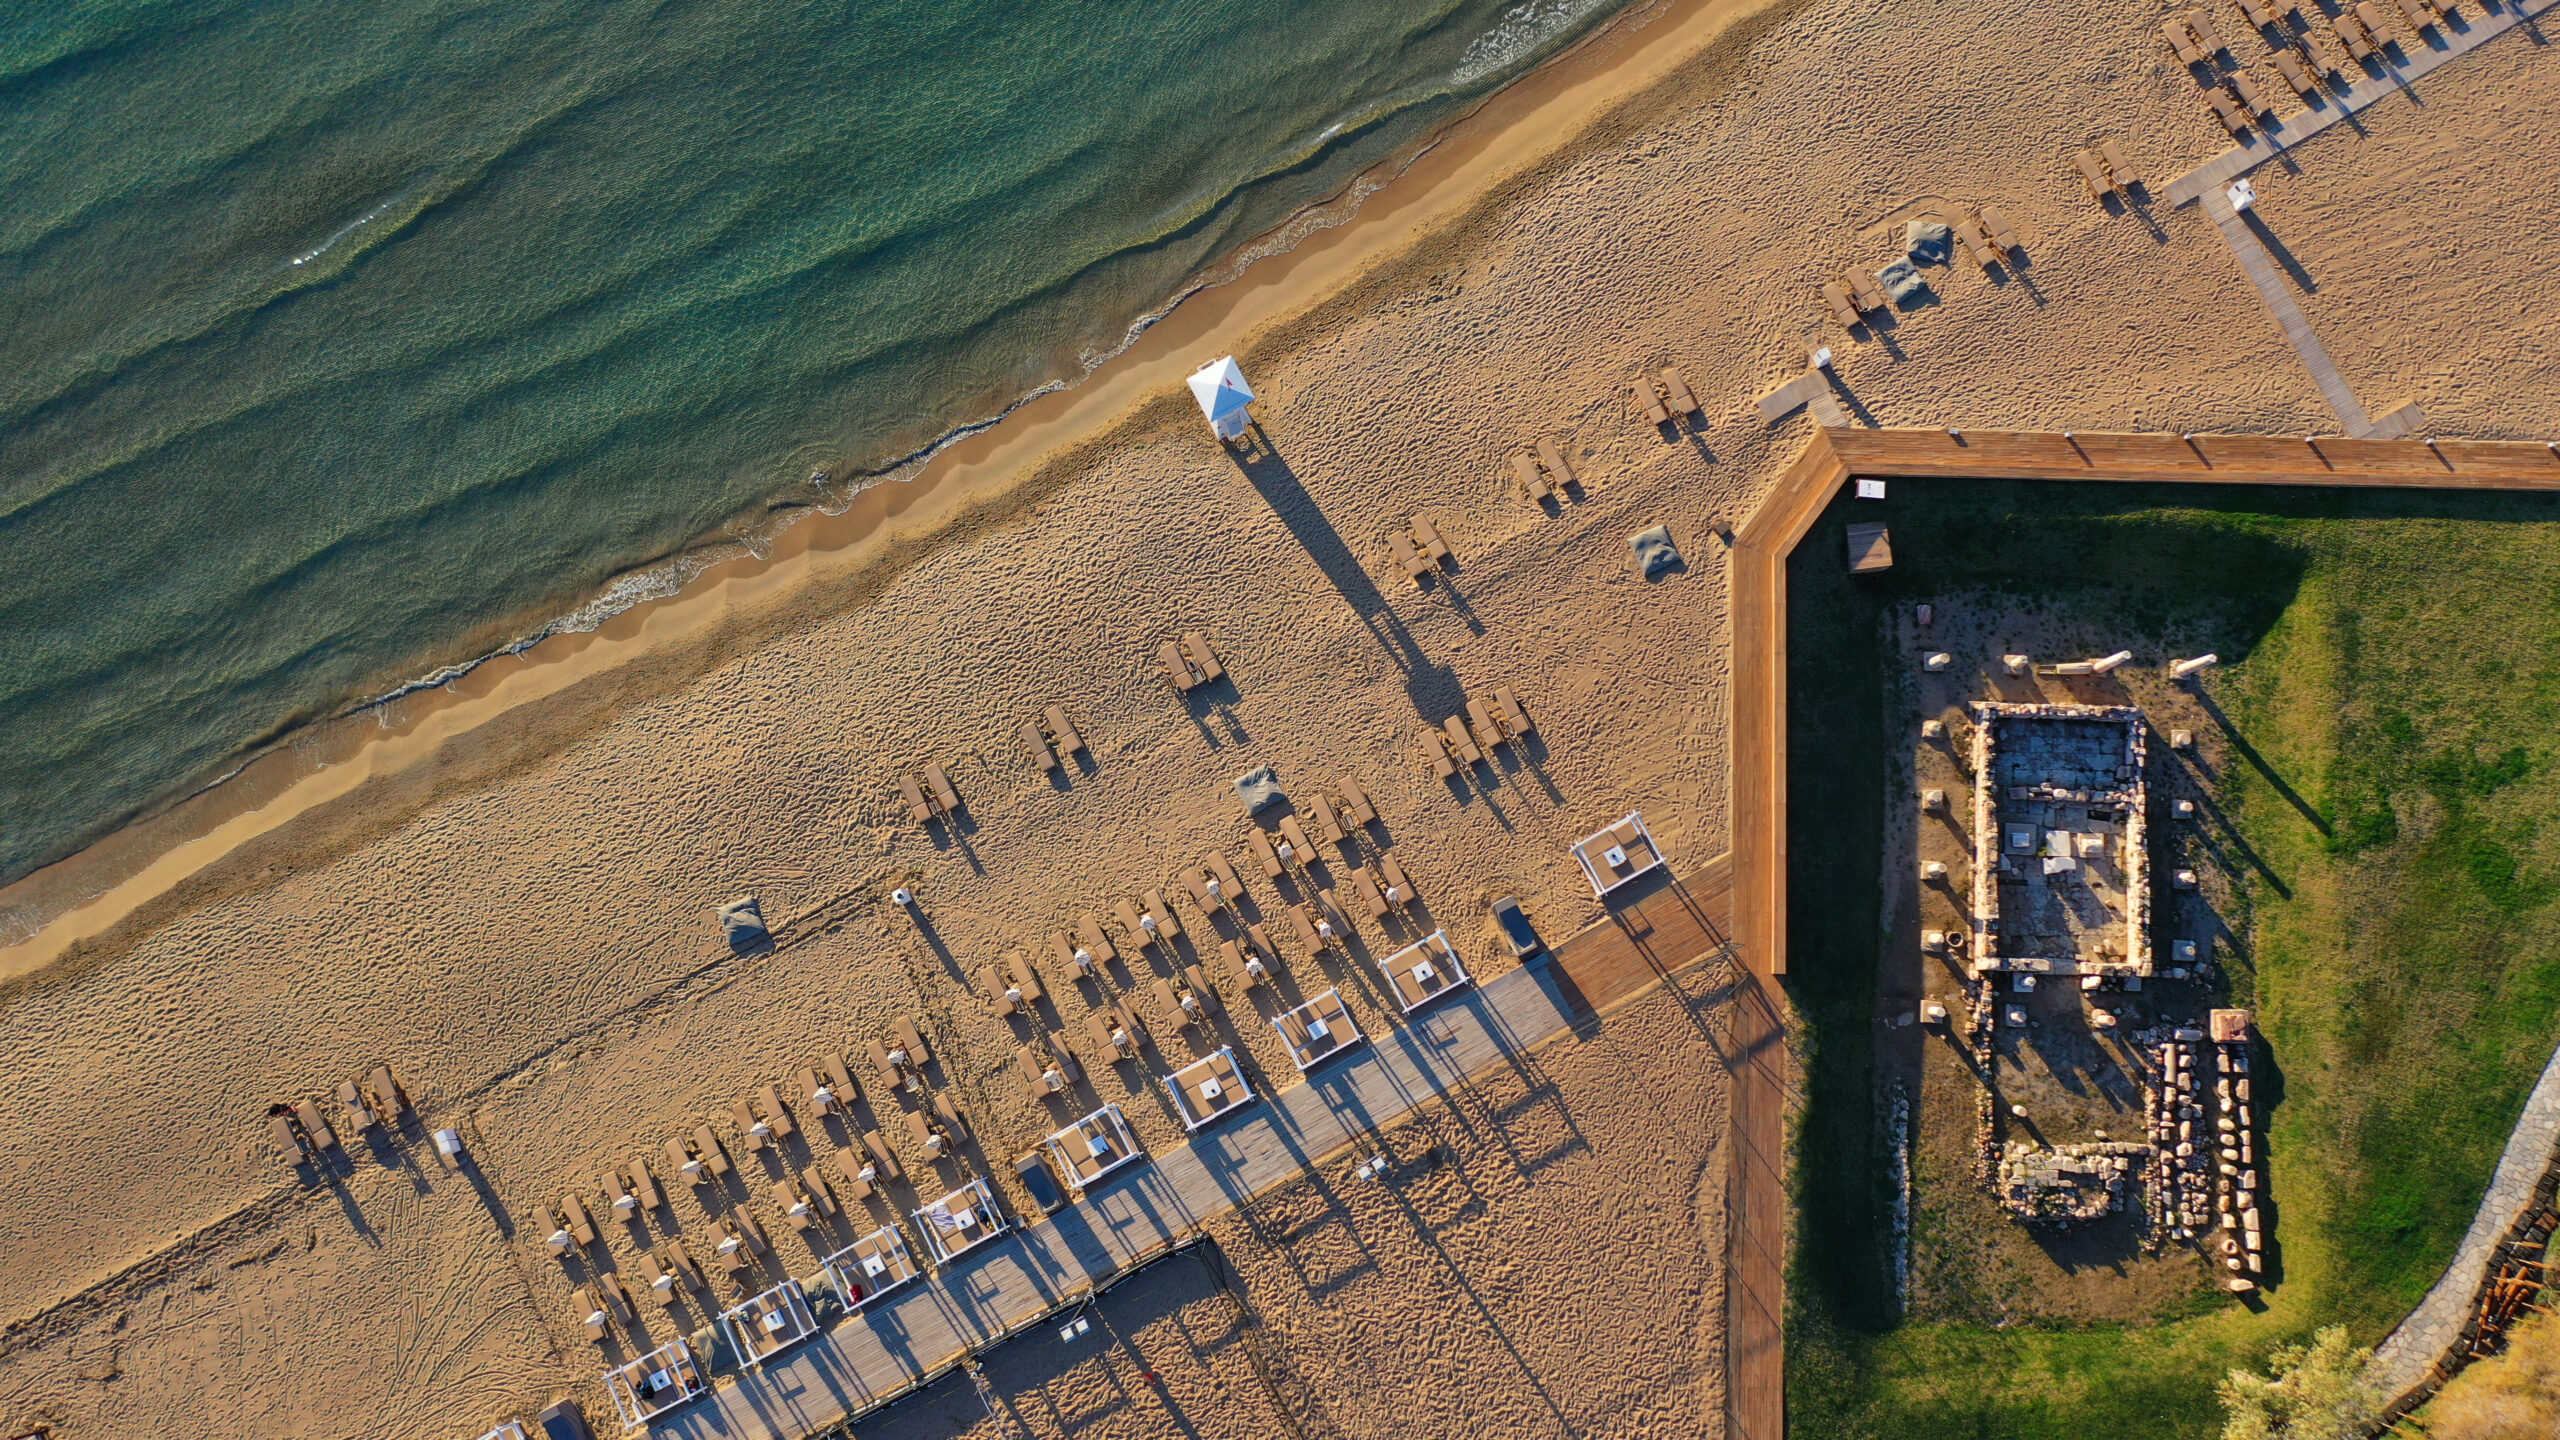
[(840, 1079), (1260, 844), (389, 1100), (1400, 546), (849, 1167), (1976, 244), (2376, 24), (1196, 981), (1089, 933), (1427, 536), (917, 809), (287, 1139), (581, 1226), (1399, 889), (662, 1278), (2093, 175), (943, 794), (912, 1041), (1444, 761), (2326, 57), (882, 1156), (590, 1313), (2259, 15), (2253, 99), (1836, 295), (878, 1054), (1063, 946), (1127, 915), (2182, 41), (1862, 284), (1168, 925), (1480, 720), (1356, 808), (645, 1185), (1239, 965), (1195, 646), (1099, 1025), (1169, 1005), (769, 1103), (2353, 35), (714, 1156), (2226, 112), (617, 1195), (1196, 880), (1069, 742), (755, 1132), (1230, 884), (1294, 836), (1036, 746), (1682, 402), (2297, 74), (322, 1138), (1532, 480), (1370, 893), (928, 1139), (1554, 461), (1328, 824), (992, 992), (2002, 237), (616, 1298), (2120, 170), (949, 1113), (2207, 36), (354, 1116), (1302, 923), (1017, 967), (1514, 719), (1460, 742), (1648, 398), (1176, 669)]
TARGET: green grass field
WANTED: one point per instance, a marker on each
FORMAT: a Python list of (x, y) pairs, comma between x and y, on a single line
[(2392, 667)]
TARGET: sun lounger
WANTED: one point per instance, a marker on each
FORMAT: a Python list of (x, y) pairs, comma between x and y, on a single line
[(1401, 547), (1514, 719), (616, 1299), (581, 1226), (993, 991), (1063, 1056), (949, 1110), (2297, 74), (1169, 1005), (354, 1118), (1976, 244), (2002, 237), (2182, 40), (1294, 836), (840, 1080), (728, 1247), (1648, 398), (287, 1139), (1531, 480), (770, 1105), (849, 1167), (2376, 24), (1200, 986), (1176, 669), (1836, 295), (882, 1156), (312, 1125), (1018, 969), (750, 1129), (1089, 934), (553, 1230), (680, 1161), (1069, 742), (1459, 741), (1444, 761), (1036, 745), (661, 1278), (921, 1131), (2119, 169), (1196, 880), (1370, 892), (1258, 942), (1399, 889), (749, 1227), (797, 1208), (645, 1185), (707, 1145), (2092, 175), (1201, 655), (943, 794), (2206, 35), (882, 1066), (679, 1258), (1168, 926), (1682, 402), (1232, 957), (1111, 1038), (1132, 922), (1230, 884), (2259, 15), (1328, 824), (590, 1312), (1355, 803), (1062, 948), (917, 808), (389, 1100), (1553, 459), (2253, 98), (618, 1196), (1862, 284), (819, 1191), (2226, 112), (2326, 57), (1488, 735), (911, 1040), (2359, 44), (1260, 844), (1302, 921)]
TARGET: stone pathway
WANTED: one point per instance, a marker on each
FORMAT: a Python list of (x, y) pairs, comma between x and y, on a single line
[(2410, 1351)]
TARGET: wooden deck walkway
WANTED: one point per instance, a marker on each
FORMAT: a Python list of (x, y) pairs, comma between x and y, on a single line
[(2261, 270), (866, 1360), (1670, 924)]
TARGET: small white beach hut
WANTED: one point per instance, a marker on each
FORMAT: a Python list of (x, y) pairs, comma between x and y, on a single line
[(1224, 397)]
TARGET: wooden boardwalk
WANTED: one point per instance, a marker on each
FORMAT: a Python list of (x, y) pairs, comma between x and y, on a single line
[(2261, 270), (1667, 925), (868, 1359)]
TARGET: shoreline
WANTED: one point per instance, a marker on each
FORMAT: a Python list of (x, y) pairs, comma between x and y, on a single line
[(157, 864)]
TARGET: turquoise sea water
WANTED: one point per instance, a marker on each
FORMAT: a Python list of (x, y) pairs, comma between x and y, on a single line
[(334, 333)]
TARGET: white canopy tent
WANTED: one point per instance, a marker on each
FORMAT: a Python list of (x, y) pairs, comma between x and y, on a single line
[(1219, 387)]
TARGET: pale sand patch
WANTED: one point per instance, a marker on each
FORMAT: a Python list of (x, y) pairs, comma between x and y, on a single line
[(471, 919)]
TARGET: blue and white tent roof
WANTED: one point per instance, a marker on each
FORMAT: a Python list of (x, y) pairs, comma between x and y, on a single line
[(1219, 387)]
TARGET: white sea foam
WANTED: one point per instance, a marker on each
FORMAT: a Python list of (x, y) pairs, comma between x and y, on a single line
[(1522, 32), (343, 231)]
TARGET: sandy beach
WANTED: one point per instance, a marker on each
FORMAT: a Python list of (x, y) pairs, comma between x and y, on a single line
[(506, 891)]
